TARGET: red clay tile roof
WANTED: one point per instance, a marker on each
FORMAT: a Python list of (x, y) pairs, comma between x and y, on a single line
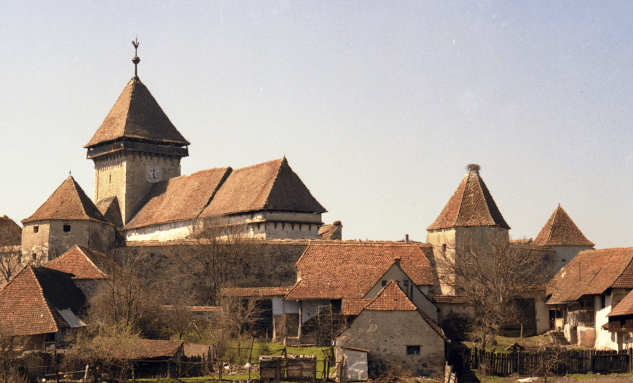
[(111, 211), (10, 232), (560, 230), (178, 199), (349, 270), (31, 303), (136, 114), (592, 272), (82, 263), (471, 205), (256, 291), (391, 298), (354, 306), (625, 307), (68, 203), (267, 186), (137, 349)]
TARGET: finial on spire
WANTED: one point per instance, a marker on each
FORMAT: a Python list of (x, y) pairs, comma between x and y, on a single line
[(135, 59), (70, 174), (473, 168)]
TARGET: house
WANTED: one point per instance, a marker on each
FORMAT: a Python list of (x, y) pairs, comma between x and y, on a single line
[(620, 322), (584, 292), (89, 269), (396, 333), (344, 276), (41, 304)]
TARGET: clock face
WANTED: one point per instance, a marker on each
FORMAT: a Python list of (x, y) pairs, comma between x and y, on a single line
[(153, 173)]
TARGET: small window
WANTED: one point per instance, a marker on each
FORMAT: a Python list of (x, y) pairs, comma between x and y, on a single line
[(603, 303), (406, 283), (564, 260), (413, 350), (66, 228), (36, 229), (384, 283)]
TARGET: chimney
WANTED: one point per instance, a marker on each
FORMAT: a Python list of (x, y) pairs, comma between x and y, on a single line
[(406, 238)]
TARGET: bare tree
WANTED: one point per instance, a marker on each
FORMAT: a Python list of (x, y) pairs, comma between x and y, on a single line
[(494, 275), (11, 367), (10, 251)]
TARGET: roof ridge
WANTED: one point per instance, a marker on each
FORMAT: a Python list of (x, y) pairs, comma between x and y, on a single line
[(461, 199), (81, 249)]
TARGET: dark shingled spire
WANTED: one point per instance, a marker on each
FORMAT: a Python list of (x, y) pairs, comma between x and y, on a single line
[(471, 205)]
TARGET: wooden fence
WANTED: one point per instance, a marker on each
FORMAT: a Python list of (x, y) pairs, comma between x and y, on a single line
[(557, 362)]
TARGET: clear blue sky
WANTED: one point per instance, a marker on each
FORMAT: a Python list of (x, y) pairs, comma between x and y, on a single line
[(378, 105)]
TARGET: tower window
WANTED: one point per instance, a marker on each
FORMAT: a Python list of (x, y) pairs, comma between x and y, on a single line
[(384, 283), (413, 350), (36, 229), (66, 228)]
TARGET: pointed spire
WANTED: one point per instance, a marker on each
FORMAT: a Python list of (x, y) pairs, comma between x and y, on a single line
[(560, 230), (471, 205)]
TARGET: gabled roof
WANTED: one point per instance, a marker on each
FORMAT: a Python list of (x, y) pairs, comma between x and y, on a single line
[(349, 270), (560, 230), (180, 198), (68, 203), (592, 272), (267, 186), (39, 301), (625, 307), (471, 205), (82, 263), (111, 211), (10, 232), (137, 115), (391, 298)]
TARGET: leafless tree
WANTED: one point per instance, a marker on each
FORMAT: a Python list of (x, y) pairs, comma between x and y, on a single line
[(10, 252), (494, 275), (11, 367)]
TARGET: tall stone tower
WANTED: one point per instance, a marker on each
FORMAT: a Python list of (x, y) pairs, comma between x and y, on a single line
[(135, 146), (470, 218)]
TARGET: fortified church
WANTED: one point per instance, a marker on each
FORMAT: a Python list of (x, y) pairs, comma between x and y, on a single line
[(140, 195)]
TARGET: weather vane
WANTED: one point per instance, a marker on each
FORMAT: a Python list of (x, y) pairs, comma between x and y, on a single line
[(135, 60)]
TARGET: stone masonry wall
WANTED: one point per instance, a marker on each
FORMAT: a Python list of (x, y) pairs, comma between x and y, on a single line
[(386, 334)]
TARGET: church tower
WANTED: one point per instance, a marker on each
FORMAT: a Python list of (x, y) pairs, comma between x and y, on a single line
[(135, 146)]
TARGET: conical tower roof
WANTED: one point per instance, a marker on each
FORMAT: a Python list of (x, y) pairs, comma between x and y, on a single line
[(137, 115), (471, 205), (68, 202), (560, 230)]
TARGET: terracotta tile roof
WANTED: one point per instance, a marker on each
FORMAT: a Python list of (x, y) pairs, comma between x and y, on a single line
[(336, 270), (560, 230), (136, 114), (137, 349), (524, 241), (178, 199), (37, 300), (471, 205), (592, 272), (68, 203), (354, 306), (197, 309), (256, 291), (10, 232), (267, 186), (391, 298), (625, 307), (111, 211), (82, 263)]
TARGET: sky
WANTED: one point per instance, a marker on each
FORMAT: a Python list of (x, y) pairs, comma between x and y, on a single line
[(378, 106)]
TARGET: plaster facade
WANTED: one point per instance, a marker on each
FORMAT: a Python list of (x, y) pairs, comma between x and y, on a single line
[(564, 254), (386, 335), (43, 241)]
